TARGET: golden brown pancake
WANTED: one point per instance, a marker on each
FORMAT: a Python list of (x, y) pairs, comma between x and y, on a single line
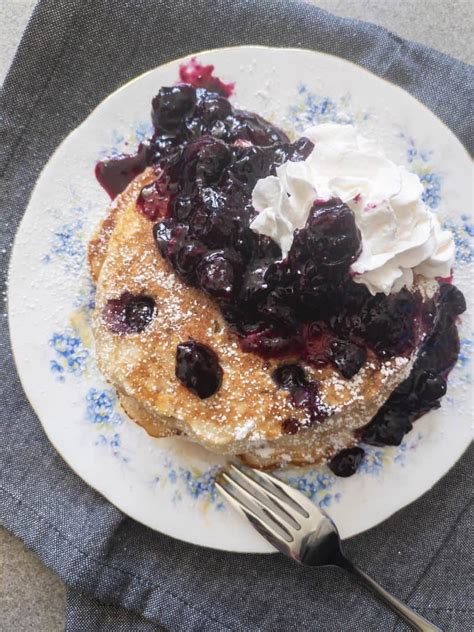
[(245, 416)]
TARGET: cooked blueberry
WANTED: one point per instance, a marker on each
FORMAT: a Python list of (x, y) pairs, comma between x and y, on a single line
[(199, 220), (299, 253), (291, 425), (187, 259), (301, 396), (254, 287), (153, 199), (195, 129), (244, 242), (217, 275), (162, 146), (311, 276), (332, 233), (278, 308), (308, 397), (128, 314), (453, 298), (318, 340), (388, 427), (186, 165), (216, 202), (252, 127), (301, 149), (178, 239), (172, 105), (218, 129), (198, 368), (267, 248), (430, 386), (162, 234), (279, 274), (218, 230), (113, 315), (440, 348), (213, 159), (213, 108), (252, 163), (289, 376), (422, 390), (139, 312), (346, 462), (183, 207), (347, 357), (389, 322)]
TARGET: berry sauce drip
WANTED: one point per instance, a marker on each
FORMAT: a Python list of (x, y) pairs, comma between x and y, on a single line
[(200, 76), (198, 368), (426, 384), (207, 157), (128, 314), (114, 174)]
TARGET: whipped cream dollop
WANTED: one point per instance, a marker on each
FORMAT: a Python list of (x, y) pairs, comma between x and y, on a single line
[(401, 236)]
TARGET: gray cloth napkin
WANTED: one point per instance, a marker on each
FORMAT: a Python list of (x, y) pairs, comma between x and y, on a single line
[(121, 575)]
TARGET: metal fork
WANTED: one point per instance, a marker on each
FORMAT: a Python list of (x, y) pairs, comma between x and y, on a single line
[(299, 529)]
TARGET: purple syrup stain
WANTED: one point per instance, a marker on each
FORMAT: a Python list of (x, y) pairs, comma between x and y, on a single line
[(200, 76)]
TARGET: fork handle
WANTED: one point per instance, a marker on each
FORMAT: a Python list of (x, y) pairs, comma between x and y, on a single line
[(416, 621)]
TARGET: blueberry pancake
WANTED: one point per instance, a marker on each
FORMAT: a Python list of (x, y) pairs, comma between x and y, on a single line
[(278, 301)]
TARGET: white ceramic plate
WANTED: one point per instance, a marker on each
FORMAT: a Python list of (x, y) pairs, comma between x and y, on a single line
[(167, 484)]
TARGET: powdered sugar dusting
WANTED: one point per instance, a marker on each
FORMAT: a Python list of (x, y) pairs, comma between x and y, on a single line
[(245, 417)]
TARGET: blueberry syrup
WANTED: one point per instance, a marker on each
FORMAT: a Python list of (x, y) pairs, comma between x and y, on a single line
[(114, 174), (198, 368), (129, 314), (426, 384), (208, 156), (201, 76)]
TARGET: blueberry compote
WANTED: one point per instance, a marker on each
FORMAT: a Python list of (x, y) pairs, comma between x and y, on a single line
[(426, 384), (208, 156)]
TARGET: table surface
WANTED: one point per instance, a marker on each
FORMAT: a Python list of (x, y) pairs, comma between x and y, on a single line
[(31, 596)]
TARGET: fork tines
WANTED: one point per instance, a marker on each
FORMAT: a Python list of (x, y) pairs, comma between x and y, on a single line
[(269, 504)]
